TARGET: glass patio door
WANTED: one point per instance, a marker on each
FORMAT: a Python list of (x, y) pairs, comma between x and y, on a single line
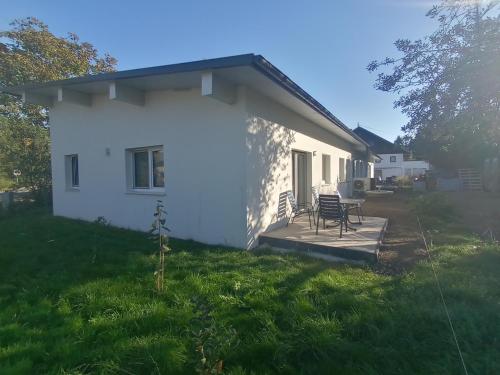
[(299, 178)]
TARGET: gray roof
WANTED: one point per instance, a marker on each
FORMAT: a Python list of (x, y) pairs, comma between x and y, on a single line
[(377, 143), (258, 62)]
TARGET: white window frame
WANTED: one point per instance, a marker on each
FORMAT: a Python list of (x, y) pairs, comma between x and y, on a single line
[(68, 160), (131, 170)]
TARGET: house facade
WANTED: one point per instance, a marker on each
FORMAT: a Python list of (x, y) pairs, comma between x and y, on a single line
[(394, 161), (218, 141)]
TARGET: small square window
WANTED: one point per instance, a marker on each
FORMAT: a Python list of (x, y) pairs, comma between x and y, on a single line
[(72, 171), (393, 159), (146, 169)]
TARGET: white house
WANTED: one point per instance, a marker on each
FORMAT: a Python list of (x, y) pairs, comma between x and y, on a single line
[(394, 161), (218, 141)]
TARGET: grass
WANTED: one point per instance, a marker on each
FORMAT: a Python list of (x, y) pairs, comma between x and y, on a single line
[(5, 182), (79, 298)]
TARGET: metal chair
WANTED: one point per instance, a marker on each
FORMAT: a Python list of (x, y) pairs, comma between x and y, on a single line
[(315, 194), (297, 209), (356, 206), (331, 209)]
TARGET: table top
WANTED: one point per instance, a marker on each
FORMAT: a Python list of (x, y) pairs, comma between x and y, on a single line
[(351, 201)]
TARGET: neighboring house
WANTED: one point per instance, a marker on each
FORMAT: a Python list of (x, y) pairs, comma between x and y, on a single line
[(219, 141), (394, 161)]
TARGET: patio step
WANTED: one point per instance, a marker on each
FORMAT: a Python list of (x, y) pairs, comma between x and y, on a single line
[(361, 246), (338, 252)]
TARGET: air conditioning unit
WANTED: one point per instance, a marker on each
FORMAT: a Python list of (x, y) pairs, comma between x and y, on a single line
[(361, 184)]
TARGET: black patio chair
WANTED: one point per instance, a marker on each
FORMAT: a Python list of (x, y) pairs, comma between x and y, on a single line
[(298, 209), (354, 206), (331, 209)]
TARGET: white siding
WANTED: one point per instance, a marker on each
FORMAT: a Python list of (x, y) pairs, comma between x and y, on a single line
[(203, 142), (225, 165), (400, 167), (273, 132)]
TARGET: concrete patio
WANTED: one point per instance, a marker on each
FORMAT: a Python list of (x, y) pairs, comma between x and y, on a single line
[(360, 245)]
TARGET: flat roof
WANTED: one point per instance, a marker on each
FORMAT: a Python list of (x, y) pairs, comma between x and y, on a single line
[(256, 62)]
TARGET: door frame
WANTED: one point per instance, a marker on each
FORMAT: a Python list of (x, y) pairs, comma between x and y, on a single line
[(307, 177)]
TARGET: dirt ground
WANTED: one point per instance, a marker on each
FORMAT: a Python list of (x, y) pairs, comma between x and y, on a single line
[(479, 212), (403, 247)]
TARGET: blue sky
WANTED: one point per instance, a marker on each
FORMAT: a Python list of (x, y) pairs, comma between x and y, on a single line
[(324, 46)]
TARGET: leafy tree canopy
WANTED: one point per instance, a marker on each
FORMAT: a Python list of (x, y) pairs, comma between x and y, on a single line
[(31, 53), (449, 84), (25, 147)]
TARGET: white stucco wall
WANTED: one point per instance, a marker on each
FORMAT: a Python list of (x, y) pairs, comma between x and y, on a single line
[(204, 143), (225, 165), (273, 132)]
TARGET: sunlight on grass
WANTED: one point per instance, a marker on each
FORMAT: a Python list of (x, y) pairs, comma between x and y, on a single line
[(80, 298)]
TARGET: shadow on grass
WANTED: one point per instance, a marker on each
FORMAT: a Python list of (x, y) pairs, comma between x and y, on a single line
[(78, 297)]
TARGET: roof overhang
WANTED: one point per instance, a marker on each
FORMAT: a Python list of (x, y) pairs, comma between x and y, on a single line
[(215, 77)]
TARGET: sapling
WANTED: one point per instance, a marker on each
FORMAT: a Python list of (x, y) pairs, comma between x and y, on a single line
[(159, 235)]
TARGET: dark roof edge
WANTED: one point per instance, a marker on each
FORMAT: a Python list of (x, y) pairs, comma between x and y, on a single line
[(272, 72), (257, 61), (217, 63), (396, 147)]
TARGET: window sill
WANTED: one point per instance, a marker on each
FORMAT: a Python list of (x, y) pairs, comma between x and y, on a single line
[(146, 192), (73, 189)]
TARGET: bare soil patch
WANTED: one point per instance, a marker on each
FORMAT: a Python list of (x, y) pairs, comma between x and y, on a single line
[(478, 211), (402, 245)]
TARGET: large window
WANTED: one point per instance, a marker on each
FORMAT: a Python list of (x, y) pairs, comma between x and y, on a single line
[(326, 168), (146, 169), (72, 172)]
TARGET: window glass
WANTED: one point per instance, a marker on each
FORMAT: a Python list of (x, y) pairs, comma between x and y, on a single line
[(341, 169), (326, 168), (75, 178), (393, 159), (141, 169), (158, 169)]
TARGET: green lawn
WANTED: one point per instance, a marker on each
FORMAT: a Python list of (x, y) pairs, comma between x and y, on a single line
[(5, 182), (79, 298)]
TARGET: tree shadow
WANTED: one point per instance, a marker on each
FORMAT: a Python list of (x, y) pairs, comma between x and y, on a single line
[(290, 313), (269, 155)]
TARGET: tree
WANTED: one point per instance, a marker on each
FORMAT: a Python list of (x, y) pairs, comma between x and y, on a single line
[(449, 84), (30, 53), (26, 147)]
